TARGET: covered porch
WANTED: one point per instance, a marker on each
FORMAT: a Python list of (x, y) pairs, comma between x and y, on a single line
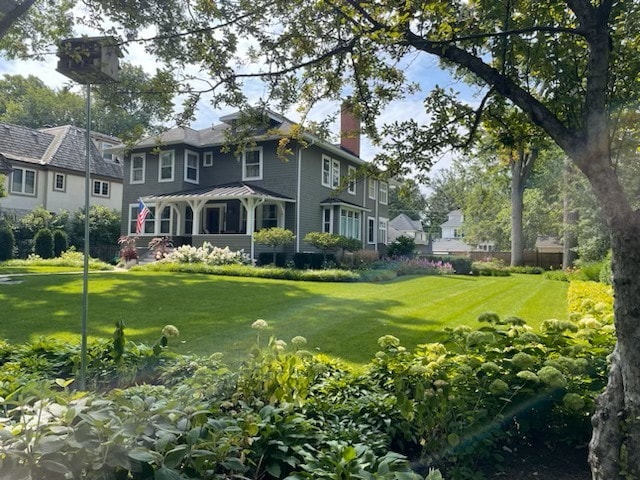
[(223, 215)]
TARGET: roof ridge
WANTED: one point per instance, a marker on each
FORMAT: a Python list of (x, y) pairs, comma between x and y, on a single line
[(53, 147)]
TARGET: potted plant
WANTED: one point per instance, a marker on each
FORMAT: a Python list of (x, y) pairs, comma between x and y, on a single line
[(128, 251)]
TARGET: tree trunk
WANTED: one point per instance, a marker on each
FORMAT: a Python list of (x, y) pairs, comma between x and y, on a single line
[(569, 220), (517, 207), (520, 170), (615, 445)]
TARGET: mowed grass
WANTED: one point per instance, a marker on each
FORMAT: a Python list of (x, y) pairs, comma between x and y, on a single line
[(215, 313)]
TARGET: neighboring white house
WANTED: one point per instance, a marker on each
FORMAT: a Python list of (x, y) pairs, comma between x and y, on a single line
[(403, 225), (452, 241), (548, 244), (47, 168)]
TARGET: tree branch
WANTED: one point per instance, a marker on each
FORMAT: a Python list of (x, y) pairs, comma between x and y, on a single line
[(508, 33), (505, 86), (10, 18)]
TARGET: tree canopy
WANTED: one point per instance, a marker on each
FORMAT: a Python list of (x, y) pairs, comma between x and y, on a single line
[(570, 66), (133, 106)]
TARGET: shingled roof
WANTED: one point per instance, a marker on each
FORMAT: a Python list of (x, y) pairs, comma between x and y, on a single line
[(62, 147)]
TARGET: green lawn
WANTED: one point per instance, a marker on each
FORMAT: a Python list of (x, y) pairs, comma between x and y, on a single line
[(215, 313)]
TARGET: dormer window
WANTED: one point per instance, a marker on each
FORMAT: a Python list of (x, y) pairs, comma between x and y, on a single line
[(108, 156)]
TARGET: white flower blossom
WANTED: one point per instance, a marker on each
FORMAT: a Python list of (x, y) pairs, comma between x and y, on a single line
[(259, 324)]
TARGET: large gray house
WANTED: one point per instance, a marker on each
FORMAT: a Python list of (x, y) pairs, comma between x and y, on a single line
[(199, 188)]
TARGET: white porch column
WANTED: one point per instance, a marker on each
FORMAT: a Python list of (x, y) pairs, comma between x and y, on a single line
[(196, 207), (158, 215), (250, 204), (179, 208), (281, 214)]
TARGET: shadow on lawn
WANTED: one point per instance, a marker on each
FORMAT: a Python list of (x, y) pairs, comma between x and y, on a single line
[(213, 313)]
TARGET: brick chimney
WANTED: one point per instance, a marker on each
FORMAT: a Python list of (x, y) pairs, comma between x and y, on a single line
[(349, 128)]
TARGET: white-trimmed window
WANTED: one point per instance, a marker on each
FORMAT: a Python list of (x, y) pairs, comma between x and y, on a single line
[(326, 171), (149, 222), (166, 167), (23, 180), (384, 193), (188, 220), (191, 167), (350, 221), (372, 188), (138, 164), (351, 186), (100, 188), (335, 173), (59, 182), (166, 220), (207, 159), (327, 220), (269, 216), (371, 230), (382, 230), (330, 172), (252, 164), (108, 156)]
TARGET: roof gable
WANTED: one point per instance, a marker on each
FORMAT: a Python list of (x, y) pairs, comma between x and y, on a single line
[(404, 223), (63, 147), (23, 143)]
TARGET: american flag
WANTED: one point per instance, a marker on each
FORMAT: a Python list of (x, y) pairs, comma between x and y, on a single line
[(143, 211)]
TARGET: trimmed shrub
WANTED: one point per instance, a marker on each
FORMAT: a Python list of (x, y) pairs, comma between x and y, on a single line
[(43, 244), (559, 275), (60, 242), (490, 269), (266, 258), (402, 246), (461, 265), (314, 261), (527, 270), (7, 244)]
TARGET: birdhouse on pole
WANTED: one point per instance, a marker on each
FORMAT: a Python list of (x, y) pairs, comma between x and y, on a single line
[(89, 60)]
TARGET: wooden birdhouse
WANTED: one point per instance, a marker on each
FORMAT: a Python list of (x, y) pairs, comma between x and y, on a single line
[(88, 60)]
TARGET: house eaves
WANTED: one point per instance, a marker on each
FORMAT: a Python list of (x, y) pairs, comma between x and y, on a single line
[(330, 202), (5, 166), (215, 136), (234, 190)]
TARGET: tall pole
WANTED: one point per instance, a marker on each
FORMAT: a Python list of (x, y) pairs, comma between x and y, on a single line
[(85, 276)]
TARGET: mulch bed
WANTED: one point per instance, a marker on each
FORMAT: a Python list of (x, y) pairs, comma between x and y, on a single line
[(544, 463)]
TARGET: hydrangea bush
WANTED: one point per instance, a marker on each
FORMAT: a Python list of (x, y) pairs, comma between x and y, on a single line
[(209, 255)]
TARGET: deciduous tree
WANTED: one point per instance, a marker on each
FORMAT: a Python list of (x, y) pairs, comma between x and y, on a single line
[(568, 65)]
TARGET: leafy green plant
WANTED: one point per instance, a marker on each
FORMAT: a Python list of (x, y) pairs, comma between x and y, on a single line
[(402, 246), (327, 242), (70, 258), (43, 244), (490, 268), (275, 237), (60, 242), (7, 243)]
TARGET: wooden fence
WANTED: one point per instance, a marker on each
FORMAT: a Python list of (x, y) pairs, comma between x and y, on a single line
[(532, 258)]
